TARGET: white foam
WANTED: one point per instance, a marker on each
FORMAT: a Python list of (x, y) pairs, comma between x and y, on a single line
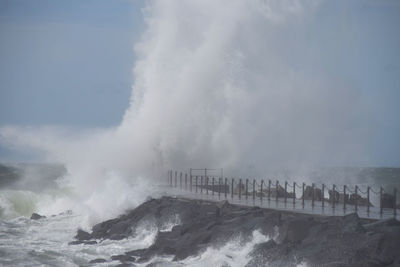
[(170, 223), (46, 241), (234, 253)]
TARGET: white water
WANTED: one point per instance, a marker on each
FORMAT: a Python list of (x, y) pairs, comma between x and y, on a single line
[(25, 242), (234, 253), (232, 84)]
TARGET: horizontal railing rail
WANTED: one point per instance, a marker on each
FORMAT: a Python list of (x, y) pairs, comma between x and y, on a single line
[(344, 197)]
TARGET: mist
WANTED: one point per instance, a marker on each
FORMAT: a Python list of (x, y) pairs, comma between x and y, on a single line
[(239, 85)]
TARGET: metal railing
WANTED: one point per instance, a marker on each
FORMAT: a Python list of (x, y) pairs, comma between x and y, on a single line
[(314, 198)]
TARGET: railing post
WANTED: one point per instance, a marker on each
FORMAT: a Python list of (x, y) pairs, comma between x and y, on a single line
[(285, 192), (312, 194), (254, 189), (302, 197), (276, 191), (261, 192), (176, 179), (212, 184), (323, 196), (368, 188), (196, 183), (381, 204), (201, 184), (394, 202), (356, 198), (190, 178), (247, 188), (207, 184), (240, 188), (232, 188), (180, 180), (344, 198), (334, 196), (226, 186), (269, 190), (294, 193), (219, 187)]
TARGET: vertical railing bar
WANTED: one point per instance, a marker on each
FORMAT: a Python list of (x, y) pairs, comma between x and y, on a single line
[(254, 190), (247, 187), (269, 190), (219, 187), (368, 202), (226, 186), (261, 191), (381, 204), (201, 185), (356, 198), (294, 193), (212, 185), (333, 196), (394, 202), (232, 188), (240, 188), (176, 175), (344, 198), (312, 195), (285, 192)]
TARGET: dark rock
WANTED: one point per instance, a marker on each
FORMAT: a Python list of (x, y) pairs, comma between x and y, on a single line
[(276, 192), (387, 201), (317, 240), (125, 265), (308, 193), (78, 242), (82, 235), (97, 261), (122, 258), (36, 216), (359, 200)]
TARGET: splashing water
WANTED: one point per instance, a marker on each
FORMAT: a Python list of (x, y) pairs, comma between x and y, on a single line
[(217, 83), (234, 253)]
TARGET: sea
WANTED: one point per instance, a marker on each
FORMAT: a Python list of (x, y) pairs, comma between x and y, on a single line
[(35, 188)]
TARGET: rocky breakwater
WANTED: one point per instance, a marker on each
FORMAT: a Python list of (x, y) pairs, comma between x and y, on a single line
[(294, 238)]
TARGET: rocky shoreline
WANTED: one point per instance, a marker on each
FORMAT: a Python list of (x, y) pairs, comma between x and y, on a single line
[(294, 238)]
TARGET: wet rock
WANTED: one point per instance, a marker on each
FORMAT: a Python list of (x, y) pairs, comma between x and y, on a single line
[(122, 258), (125, 265), (82, 235), (97, 261), (36, 216), (352, 223), (310, 194), (317, 240), (387, 201)]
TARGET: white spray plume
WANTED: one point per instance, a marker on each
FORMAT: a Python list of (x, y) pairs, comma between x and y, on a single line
[(228, 84)]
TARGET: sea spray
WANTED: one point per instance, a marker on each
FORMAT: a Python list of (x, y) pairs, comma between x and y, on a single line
[(234, 253), (231, 84)]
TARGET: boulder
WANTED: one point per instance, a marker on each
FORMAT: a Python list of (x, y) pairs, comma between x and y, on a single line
[(36, 216)]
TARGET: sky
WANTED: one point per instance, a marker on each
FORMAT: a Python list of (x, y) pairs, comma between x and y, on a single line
[(66, 62), (70, 62)]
